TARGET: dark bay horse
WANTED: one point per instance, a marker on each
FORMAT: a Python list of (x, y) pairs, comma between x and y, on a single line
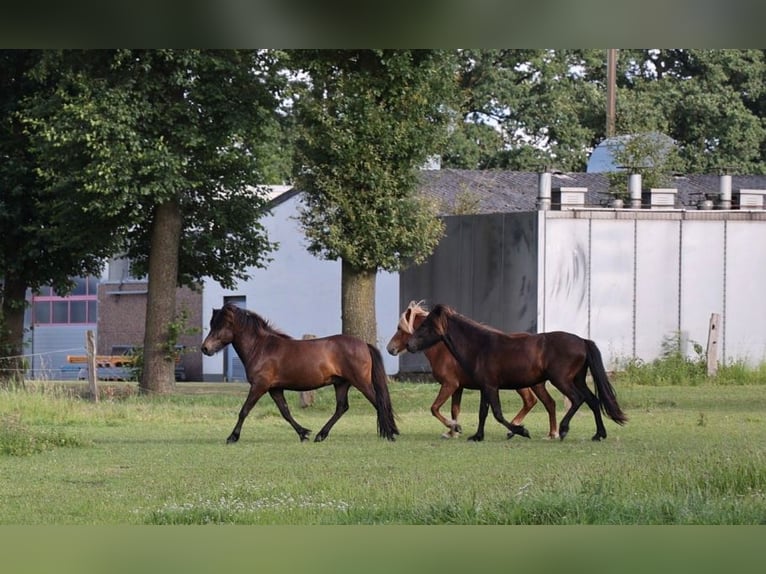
[(494, 358), (275, 362), (453, 379)]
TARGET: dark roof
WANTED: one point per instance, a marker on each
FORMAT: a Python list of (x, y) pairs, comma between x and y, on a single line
[(497, 191)]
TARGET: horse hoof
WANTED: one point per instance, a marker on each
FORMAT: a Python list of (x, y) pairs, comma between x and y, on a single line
[(319, 438), (476, 438), (232, 439), (596, 438)]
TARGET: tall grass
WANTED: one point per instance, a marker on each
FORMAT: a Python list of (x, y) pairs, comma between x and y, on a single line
[(675, 367)]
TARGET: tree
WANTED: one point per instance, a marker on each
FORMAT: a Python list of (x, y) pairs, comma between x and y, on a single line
[(366, 121), (49, 233), (527, 108), (523, 109), (711, 102), (171, 141)]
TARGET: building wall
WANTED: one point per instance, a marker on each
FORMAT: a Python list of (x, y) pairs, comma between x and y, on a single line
[(486, 267), (297, 292), (50, 345), (122, 318), (628, 279)]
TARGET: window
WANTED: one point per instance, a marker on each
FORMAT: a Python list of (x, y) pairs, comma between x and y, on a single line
[(78, 308)]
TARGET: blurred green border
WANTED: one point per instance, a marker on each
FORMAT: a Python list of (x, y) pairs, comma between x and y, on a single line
[(380, 549)]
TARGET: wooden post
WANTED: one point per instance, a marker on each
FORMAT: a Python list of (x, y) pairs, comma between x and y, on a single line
[(712, 344), (307, 397), (90, 346)]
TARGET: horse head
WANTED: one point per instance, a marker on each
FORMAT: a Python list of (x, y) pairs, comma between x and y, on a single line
[(431, 330), (221, 330), (409, 320)]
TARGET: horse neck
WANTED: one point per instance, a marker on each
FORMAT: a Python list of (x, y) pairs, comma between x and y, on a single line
[(250, 334), (434, 351), (460, 336)]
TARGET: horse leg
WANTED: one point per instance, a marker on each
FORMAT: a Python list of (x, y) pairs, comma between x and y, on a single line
[(278, 396), (478, 436), (341, 406), (447, 389), (550, 406), (575, 400), (255, 393), (578, 392), (594, 404), (455, 409), (493, 398), (528, 402)]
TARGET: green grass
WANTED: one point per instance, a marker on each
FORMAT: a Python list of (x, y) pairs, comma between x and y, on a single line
[(688, 455)]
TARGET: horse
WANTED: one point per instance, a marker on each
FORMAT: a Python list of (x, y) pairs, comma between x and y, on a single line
[(447, 372), (275, 362), (493, 358)]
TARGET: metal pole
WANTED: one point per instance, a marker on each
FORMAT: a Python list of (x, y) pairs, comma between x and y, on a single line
[(611, 88)]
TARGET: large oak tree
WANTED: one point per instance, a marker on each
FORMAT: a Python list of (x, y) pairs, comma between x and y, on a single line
[(171, 143)]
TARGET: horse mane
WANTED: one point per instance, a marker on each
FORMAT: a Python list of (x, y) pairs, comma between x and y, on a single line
[(406, 321), (443, 310), (252, 321)]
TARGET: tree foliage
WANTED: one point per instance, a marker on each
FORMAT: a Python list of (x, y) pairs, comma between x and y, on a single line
[(117, 140), (528, 108), (131, 129), (367, 121)]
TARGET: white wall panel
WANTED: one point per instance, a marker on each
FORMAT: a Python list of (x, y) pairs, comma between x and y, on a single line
[(611, 268), (657, 285), (745, 312), (565, 295), (702, 278)]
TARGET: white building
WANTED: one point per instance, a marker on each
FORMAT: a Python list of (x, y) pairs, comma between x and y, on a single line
[(297, 292)]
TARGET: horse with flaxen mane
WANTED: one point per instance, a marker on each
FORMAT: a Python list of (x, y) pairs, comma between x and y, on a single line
[(453, 379), (492, 358), (275, 362)]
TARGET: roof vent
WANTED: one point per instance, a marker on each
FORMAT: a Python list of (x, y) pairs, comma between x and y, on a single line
[(660, 198), (564, 198), (748, 198)]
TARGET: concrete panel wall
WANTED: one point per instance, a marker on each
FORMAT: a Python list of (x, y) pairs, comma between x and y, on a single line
[(486, 268), (565, 275), (657, 297), (703, 259), (612, 288), (745, 306), (627, 279)]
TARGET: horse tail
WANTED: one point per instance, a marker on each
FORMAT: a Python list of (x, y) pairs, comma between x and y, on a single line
[(386, 422), (604, 388)]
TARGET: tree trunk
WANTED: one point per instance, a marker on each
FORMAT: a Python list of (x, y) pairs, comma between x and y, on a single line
[(12, 332), (160, 337), (358, 303)]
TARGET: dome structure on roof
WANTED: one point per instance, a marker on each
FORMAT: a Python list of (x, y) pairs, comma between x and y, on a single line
[(603, 157)]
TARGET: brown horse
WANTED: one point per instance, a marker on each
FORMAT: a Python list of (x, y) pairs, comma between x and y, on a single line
[(493, 358), (447, 372), (275, 362)]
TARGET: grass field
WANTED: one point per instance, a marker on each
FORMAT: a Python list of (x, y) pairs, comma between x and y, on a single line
[(688, 455)]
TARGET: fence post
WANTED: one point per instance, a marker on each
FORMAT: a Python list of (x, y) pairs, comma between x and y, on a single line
[(712, 344), (307, 397), (90, 346)]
